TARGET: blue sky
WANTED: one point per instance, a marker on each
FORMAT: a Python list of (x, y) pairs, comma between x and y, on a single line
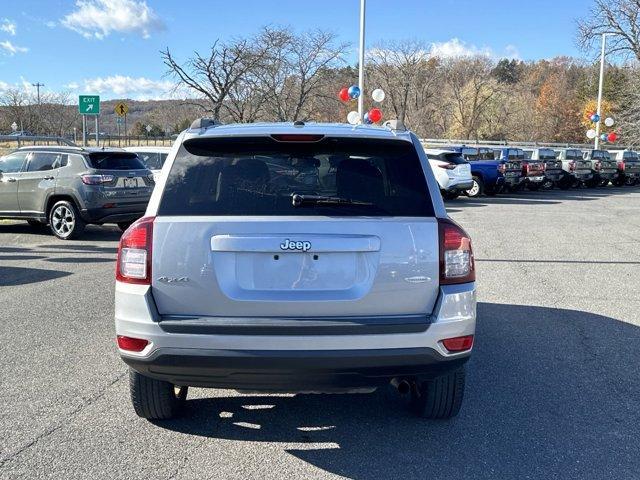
[(111, 47)]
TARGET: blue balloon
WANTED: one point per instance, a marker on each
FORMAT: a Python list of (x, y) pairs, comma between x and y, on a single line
[(366, 118), (603, 137), (354, 91), (595, 118)]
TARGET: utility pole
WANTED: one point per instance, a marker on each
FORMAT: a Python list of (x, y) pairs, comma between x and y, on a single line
[(38, 85)]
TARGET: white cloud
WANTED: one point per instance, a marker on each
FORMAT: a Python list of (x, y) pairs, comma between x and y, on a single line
[(11, 49), (99, 18), (72, 86), (50, 24), (119, 86), (8, 26), (459, 48)]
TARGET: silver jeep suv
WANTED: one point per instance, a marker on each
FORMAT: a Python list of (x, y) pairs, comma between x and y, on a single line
[(295, 258), (70, 187)]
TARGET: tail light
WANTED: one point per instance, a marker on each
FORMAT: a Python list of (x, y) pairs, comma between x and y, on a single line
[(572, 166), (458, 344), (525, 169), (97, 179), (502, 168), (134, 253), (447, 166), (132, 344), (544, 167), (621, 166), (598, 166), (456, 256)]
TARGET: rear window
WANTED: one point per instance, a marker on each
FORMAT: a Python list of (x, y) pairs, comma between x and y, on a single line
[(152, 160), (453, 157), (486, 154), (546, 154), (259, 176), (115, 161)]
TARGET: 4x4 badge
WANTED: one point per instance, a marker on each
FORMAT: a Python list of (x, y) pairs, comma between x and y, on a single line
[(173, 279), (299, 245)]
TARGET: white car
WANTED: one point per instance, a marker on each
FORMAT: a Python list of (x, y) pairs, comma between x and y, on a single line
[(451, 170), (152, 157)]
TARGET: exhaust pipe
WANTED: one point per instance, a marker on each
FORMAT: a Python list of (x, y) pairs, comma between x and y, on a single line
[(401, 385)]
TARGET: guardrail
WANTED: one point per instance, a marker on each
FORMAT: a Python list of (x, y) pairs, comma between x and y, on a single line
[(504, 143), (10, 142), (22, 140)]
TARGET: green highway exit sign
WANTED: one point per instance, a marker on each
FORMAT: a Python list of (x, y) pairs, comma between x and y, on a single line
[(89, 104)]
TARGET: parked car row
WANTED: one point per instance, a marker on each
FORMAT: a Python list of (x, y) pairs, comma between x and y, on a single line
[(494, 170)]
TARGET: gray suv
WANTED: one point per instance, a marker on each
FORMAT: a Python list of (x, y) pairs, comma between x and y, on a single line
[(295, 258), (70, 187)]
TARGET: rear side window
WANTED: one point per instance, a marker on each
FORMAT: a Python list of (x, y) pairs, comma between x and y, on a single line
[(41, 161), (470, 153), (115, 161), (546, 154), (12, 163), (259, 176), (486, 154), (630, 156)]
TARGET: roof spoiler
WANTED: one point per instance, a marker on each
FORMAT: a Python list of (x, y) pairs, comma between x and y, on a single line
[(204, 123)]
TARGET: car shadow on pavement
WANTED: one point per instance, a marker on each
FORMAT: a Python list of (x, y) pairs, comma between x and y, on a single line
[(551, 393), (11, 276)]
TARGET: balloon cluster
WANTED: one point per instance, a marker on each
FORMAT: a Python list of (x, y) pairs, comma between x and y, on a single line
[(374, 115), (610, 137)]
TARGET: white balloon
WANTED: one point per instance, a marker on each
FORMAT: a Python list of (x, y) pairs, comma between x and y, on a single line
[(353, 118), (608, 122), (591, 133), (377, 95)]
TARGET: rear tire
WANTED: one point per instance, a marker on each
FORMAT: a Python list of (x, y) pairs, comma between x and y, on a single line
[(450, 195), (155, 399), (592, 182), (565, 183), (477, 189), (65, 222), (534, 187), (440, 398)]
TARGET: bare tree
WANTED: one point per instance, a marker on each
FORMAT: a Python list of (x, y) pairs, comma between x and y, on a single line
[(616, 16), (18, 107), (57, 113), (294, 69), (405, 71), (213, 77), (470, 87)]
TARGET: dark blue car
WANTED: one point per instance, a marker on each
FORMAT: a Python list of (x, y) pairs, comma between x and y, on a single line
[(487, 172)]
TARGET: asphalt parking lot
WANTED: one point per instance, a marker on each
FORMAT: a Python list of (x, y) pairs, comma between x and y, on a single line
[(553, 385)]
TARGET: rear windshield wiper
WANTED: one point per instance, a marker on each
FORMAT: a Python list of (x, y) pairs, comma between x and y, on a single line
[(298, 200)]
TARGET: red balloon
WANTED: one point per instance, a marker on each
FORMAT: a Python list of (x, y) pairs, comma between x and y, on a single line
[(612, 137), (344, 94), (375, 115)]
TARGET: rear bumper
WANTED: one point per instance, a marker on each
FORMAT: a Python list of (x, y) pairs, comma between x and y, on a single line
[(128, 213), (458, 184), (513, 180), (535, 179), (291, 370), (293, 359)]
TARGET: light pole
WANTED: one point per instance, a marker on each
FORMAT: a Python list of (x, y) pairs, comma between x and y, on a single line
[(600, 82), (361, 62)]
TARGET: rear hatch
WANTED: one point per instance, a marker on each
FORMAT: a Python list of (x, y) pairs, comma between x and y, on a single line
[(552, 166), (358, 239), (631, 163), (125, 179), (457, 167)]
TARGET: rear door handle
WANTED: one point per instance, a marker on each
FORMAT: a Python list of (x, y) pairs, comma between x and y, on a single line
[(48, 178)]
